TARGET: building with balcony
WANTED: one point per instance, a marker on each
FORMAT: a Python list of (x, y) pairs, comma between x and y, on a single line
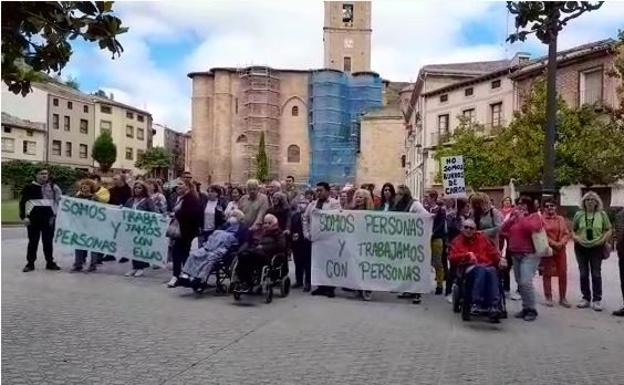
[(428, 114), (491, 98)]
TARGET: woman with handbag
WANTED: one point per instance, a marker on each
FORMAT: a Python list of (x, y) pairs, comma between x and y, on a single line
[(184, 227), (558, 237), (140, 200), (519, 229), (592, 233)]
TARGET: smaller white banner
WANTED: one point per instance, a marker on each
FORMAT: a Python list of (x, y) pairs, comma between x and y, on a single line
[(372, 250), (453, 178), (87, 225)]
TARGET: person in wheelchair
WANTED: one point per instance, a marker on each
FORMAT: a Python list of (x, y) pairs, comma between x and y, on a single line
[(251, 260), (220, 244), (473, 253)]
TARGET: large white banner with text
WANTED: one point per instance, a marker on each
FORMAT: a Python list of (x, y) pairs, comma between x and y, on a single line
[(372, 250), (87, 225)]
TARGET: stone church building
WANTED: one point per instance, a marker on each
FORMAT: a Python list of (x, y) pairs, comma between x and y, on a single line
[(342, 123)]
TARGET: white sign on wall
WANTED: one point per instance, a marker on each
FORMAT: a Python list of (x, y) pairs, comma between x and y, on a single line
[(453, 178)]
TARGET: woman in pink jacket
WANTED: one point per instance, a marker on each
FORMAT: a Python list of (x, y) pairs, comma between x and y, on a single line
[(518, 229)]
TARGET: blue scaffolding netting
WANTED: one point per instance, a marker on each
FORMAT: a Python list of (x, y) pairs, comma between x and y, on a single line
[(338, 100)]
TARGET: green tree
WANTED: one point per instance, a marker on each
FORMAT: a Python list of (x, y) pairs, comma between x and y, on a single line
[(618, 72), (546, 19), (589, 149), (104, 151), (36, 35), (480, 156), (156, 161), (262, 162)]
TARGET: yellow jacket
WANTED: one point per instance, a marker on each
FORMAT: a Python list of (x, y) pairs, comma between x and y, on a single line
[(102, 195)]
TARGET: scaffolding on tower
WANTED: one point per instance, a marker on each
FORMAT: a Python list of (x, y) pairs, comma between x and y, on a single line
[(260, 87)]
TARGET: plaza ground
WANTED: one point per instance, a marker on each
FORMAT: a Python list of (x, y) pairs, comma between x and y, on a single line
[(104, 328)]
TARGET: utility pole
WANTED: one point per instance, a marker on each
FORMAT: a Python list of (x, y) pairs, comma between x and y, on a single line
[(548, 178)]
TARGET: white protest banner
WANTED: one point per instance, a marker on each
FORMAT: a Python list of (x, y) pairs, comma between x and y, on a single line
[(372, 250), (87, 225), (453, 179)]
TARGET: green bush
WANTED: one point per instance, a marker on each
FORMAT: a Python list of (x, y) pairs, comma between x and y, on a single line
[(18, 173)]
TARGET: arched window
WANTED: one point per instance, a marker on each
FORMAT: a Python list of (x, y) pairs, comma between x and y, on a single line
[(241, 139), (295, 111), (294, 154)]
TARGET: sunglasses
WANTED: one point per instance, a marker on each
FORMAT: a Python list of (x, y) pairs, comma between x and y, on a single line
[(550, 206), (469, 228)]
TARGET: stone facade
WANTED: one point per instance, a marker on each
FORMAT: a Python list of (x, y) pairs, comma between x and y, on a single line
[(347, 36), (231, 107), (381, 148)]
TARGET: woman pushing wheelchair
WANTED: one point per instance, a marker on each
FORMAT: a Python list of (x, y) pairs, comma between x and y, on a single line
[(477, 260)]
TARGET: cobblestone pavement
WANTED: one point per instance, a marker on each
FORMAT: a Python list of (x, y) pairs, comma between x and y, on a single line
[(103, 328)]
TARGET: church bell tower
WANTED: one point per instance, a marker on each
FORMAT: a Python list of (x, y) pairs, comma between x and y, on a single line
[(347, 35)]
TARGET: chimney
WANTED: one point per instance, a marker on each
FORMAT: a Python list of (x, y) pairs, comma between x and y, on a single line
[(112, 96), (520, 58)]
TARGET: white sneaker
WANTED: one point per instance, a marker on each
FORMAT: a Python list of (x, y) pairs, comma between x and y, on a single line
[(449, 298), (172, 282), (131, 273), (515, 296), (138, 273), (584, 304), (596, 306)]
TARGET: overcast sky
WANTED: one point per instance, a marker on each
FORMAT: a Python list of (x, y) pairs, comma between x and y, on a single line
[(168, 39)]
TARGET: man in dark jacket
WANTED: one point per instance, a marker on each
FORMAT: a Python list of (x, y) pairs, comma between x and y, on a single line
[(120, 192), (37, 207)]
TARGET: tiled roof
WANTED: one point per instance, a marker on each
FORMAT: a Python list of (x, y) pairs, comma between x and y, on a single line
[(568, 54), (470, 68), (100, 99), (14, 121)]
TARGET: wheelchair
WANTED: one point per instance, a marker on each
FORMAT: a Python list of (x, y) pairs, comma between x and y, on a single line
[(264, 280), (222, 272), (462, 296)]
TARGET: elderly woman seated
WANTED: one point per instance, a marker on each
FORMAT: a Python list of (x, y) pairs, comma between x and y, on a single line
[(252, 259), (474, 251), (220, 243)]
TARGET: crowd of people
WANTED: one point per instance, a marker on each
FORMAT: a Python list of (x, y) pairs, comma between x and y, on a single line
[(261, 220)]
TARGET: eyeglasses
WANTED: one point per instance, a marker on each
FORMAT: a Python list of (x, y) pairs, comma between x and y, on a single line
[(550, 206), (469, 228)]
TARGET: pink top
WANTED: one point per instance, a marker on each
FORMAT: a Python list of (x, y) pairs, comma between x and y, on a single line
[(518, 232)]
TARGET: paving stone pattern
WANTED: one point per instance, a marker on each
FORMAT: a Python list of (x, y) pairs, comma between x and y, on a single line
[(104, 328)]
